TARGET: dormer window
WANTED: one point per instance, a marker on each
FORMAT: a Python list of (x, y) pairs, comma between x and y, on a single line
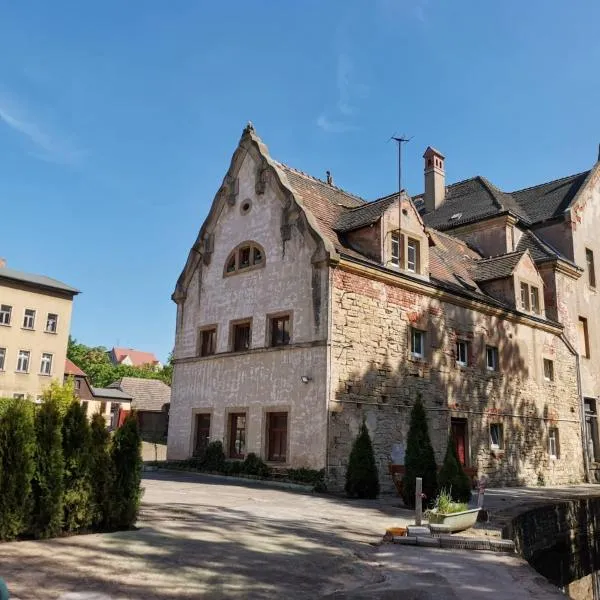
[(246, 256), (530, 298)]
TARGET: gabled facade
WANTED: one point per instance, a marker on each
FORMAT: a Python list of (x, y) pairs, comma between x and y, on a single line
[(303, 310)]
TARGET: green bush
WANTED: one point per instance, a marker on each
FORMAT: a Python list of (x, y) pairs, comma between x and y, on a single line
[(233, 467), (256, 466), (101, 473), (309, 476), (452, 476), (214, 457), (362, 480), (419, 460), (126, 455), (17, 449), (48, 477), (76, 440)]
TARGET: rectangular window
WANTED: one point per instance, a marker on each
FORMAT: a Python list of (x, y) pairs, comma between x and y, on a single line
[(242, 333), (5, 314), (280, 331), (412, 256), (395, 249), (277, 436), (535, 300), (584, 340), (208, 341), (51, 323), (237, 435), (102, 409), (46, 364), (462, 353), (29, 318), (78, 384), (524, 297), (548, 369), (202, 434), (589, 259), (591, 429), (23, 361), (491, 358), (2, 358), (553, 445), (417, 342), (496, 436)]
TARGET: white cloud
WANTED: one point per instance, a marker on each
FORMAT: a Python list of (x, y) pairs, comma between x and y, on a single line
[(51, 147)]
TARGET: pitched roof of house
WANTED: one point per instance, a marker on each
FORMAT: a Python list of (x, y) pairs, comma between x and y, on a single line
[(146, 394), (111, 394), (137, 357), (497, 267), (40, 281), (538, 249), (475, 199), (72, 369), (365, 215)]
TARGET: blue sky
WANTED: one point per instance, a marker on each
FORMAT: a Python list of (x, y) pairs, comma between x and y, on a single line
[(118, 120)]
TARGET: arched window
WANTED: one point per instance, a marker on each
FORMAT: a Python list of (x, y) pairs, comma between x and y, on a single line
[(246, 256)]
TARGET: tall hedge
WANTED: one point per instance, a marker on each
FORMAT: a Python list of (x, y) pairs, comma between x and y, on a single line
[(76, 442), (452, 476), (419, 459), (48, 476), (101, 471), (362, 480), (17, 448), (126, 455)]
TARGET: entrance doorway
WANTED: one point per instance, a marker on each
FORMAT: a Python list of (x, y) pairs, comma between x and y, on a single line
[(458, 429)]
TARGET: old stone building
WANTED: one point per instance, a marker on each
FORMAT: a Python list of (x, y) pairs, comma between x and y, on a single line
[(303, 310)]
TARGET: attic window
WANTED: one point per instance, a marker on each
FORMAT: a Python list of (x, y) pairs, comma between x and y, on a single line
[(455, 216), (246, 256)]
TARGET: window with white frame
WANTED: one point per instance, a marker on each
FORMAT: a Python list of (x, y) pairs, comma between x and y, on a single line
[(417, 343), (395, 249), (52, 323), (23, 361), (462, 353), (530, 298), (548, 369), (553, 444), (5, 314), (29, 318), (2, 358), (46, 364), (412, 255), (496, 436), (491, 358)]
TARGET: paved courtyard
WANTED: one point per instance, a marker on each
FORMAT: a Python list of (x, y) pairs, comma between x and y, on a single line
[(202, 537)]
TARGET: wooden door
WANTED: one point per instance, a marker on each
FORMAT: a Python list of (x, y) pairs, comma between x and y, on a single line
[(459, 435)]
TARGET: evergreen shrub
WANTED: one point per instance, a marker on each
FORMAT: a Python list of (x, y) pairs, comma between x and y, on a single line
[(362, 479), (256, 466), (452, 477), (101, 473)]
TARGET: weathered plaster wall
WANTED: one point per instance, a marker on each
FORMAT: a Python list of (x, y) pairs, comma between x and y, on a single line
[(373, 376), (491, 237), (367, 240), (261, 377)]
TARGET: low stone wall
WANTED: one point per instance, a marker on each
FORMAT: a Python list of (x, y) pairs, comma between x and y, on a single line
[(561, 541)]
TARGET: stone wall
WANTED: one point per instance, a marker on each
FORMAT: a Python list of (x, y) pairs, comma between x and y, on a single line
[(373, 376)]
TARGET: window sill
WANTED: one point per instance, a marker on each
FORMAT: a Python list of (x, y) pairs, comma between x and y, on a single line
[(497, 452), (22, 372), (28, 328), (5, 325), (416, 358), (45, 374), (51, 332)]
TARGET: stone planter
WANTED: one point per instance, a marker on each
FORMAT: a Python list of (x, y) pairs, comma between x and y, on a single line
[(452, 522)]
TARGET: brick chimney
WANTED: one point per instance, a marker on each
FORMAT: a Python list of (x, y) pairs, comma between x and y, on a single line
[(2, 262), (435, 179)]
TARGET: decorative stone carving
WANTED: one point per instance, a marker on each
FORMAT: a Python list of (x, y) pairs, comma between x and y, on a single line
[(262, 177), (233, 186), (207, 249)]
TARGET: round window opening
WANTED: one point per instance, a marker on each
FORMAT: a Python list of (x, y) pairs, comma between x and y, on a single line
[(246, 206)]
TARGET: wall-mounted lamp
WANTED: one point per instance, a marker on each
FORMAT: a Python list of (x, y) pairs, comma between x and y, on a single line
[(305, 378)]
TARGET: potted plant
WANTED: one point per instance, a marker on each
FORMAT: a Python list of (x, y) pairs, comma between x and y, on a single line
[(448, 516)]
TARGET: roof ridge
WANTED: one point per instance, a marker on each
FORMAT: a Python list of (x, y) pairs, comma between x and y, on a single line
[(317, 180), (371, 203), (504, 255), (532, 187)]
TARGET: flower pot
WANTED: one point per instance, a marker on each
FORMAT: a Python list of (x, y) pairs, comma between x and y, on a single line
[(452, 522)]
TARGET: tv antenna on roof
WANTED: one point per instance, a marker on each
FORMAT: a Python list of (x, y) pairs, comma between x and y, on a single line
[(400, 139)]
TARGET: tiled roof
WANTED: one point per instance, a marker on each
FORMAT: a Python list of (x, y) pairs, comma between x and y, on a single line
[(72, 369), (147, 394), (137, 357), (110, 394), (364, 215), (36, 280), (497, 267), (538, 249)]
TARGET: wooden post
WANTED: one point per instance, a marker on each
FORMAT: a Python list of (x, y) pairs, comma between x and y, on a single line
[(480, 495), (418, 501)]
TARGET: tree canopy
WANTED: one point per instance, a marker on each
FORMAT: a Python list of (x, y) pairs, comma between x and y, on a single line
[(95, 362)]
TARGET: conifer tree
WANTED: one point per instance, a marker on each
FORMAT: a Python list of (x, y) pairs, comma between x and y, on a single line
[(101, 473), (419, 460), (362, 480), (452, 477)]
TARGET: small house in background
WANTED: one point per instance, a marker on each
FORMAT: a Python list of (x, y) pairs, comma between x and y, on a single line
[(150, 399), (109, 402), (133, 358)]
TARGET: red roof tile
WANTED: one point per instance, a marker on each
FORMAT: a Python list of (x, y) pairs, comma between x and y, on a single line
[(72, 369), (137, 357)]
